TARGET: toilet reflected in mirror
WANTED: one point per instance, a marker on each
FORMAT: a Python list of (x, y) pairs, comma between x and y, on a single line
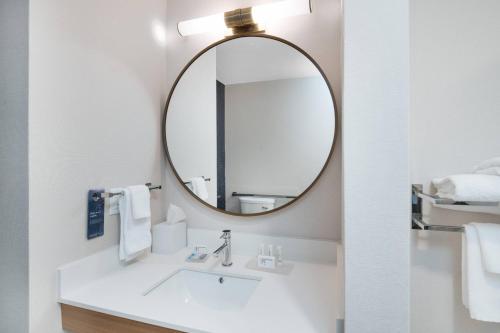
[(250, 125)]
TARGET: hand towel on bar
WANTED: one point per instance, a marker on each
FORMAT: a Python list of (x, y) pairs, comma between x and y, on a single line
[(490, 163), (199, 187), (480, 288), (135, 234), (489, 242), (469, 187), (140, 201)]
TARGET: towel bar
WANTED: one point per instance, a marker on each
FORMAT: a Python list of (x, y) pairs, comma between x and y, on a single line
[(417, 221), (236, 194), (419, 224), (206, 179), (105, 195)]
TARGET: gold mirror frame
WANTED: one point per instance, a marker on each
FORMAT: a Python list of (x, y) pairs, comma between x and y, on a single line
[(165, 114)]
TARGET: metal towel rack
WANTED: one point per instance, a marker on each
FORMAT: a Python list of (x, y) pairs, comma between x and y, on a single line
[(206, 179), (105, 195), (236, 194), (417, 220)]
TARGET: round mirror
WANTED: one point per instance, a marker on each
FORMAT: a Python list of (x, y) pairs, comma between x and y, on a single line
[(250, 125)]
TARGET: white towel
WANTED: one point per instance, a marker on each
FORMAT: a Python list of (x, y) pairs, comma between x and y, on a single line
[(469, 187), (175, 214), (140, 201), (488, 164), (494, 171), (135, 234), (489, 241), (480, 289), (489, 167), (199, 187)]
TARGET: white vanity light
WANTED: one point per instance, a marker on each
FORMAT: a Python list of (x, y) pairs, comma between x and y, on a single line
[(250, 19), (212, 23)]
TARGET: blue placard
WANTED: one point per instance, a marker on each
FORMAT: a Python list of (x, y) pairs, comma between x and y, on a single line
[(95, 215)]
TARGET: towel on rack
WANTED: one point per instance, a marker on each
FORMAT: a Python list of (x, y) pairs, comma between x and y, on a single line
[(489, 167), (480, 288), (490, 163), (489, 242), (494, 171), (469, 187), (199, 187), (135, 234), (140, 201)]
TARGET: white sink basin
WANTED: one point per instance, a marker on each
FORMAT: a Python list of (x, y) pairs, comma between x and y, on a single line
[(214, 290)]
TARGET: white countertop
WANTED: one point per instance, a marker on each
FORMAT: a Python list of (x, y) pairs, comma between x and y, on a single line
[(301, 302)]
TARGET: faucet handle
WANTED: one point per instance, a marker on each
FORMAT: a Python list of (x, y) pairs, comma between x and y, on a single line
[(226, 234)]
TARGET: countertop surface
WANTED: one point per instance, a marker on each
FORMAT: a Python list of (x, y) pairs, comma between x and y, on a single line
[(300, 302)]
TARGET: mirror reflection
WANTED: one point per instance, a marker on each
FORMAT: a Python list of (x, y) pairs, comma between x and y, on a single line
[(250, 125)]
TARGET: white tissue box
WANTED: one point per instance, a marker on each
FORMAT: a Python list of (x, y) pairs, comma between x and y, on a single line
[(169, 238)]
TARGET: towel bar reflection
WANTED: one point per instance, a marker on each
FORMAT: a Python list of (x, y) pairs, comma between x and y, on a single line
[(281, 196), (189, 182), (105, 195)]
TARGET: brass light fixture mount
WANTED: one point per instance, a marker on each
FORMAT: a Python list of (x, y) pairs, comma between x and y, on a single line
[(240, 21)]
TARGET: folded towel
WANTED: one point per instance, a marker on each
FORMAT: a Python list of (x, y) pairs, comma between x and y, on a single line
[(175, 214), (199, 187), (140, 201), (491, 163), (480, 289), (470, 187), (489, 167), (135, 234), (494, 171), (489, 242)]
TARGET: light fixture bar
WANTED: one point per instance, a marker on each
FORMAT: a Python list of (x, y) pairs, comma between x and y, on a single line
[(245, 20), (212, 23)]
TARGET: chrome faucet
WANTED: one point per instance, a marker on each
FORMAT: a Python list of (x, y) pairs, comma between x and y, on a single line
[(225, 248)]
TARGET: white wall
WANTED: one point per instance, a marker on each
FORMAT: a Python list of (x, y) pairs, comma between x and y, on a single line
[(376, 166), (14, 166), (278, 136), (455, 117), (246, 60), (96, 96), (192, 124), (317, 215)]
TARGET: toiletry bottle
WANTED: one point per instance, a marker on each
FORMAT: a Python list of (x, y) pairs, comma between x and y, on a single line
[(279, 255), (270, 250)]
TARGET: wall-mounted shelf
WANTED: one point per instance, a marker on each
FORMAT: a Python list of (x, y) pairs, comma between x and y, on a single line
[(417, 220), (486, 209), (417, 188)]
